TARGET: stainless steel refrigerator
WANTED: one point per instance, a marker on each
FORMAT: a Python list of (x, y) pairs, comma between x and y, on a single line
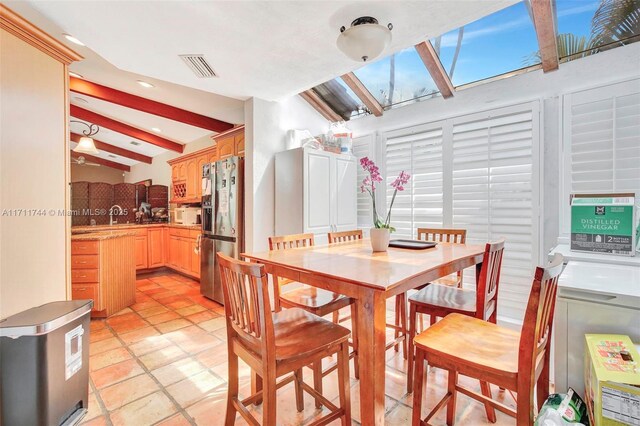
[(222, 220)]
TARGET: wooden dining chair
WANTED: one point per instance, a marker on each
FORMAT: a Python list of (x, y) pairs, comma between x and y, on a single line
[(401, 330), (312, 299), (437, 300), (480, 349), (275, 345), (457, 236)]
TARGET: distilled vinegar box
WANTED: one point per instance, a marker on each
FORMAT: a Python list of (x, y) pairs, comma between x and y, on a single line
[(603, 223)]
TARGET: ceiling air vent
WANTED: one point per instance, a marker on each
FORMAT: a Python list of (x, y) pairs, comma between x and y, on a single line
[(199, 65)]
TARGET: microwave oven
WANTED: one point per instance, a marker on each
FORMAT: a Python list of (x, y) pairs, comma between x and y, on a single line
[(187, 215)]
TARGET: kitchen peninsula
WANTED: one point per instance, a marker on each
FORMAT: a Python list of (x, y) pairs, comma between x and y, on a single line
[(103, 269)]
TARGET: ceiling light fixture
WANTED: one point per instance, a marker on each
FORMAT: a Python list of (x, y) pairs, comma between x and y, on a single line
[(75, 74), (72, 39), (86, 144), (365, 39), (155, 129), (145, 84)]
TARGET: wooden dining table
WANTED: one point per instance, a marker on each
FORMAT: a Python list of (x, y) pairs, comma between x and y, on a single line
[(353, 269)]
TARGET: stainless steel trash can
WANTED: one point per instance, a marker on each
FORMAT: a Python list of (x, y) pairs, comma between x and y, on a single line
[(44, 360)]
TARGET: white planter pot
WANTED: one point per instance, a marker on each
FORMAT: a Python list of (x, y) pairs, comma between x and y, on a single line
[(379, 239)]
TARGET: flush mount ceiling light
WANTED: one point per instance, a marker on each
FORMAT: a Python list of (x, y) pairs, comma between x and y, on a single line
[(86, 144), (145, 84), (72, 39), (365, 39), (155, 129), (75, 74)]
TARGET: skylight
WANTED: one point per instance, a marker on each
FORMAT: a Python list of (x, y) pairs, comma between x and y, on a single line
[(340, 98), (586, 27), (400, 78), (497, 44)]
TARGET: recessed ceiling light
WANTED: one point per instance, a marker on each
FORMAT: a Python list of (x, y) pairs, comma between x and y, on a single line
[(145, 84), (75, 74), (136, 143), (82, 100), (113, 156), (155, 129), (72, 39)]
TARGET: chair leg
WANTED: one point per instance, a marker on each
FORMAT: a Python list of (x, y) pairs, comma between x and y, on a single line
[(403, 323), (269, 398), (256, 386), (344, 389), (418, 378), (317, 379), (336, 316), (230, 417), (354, 340), (411, 355), (524, 407), (396, 333), (451, 405), (432, 320), (299, 392), (485, 388)]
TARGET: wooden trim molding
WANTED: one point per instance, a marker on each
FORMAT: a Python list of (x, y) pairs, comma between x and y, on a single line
[(114, 149), (363, 93), (125, 129), (149, 106), (544, 23), (26, 31), (101, 161), (236, 129), (432, 62), (319, 105)]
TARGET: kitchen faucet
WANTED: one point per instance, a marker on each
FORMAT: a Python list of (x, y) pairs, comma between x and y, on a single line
[(121, 210)]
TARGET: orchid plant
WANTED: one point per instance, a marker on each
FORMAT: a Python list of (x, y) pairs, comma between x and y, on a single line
[(369, 185)]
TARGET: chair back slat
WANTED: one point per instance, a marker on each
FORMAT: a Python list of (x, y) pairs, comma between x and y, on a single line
[(285, 242), (246, 300), (340, 237), (458, 236), (538, 318), (489, 280)]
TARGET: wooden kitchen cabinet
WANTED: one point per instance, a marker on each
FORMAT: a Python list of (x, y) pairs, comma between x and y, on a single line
[(155, 248), (226, 147), (186, 175), (141, 253), (201, 160), (191, 166), (239, 145), (230, 143)]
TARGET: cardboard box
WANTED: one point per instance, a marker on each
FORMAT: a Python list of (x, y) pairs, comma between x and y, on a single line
[(603, 223), (612, 380)]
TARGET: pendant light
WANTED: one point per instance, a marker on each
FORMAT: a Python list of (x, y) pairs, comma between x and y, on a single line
[(365, 39), (86, 145)]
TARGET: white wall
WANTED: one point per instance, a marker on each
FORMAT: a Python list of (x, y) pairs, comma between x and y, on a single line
[(159, 171), (266, 127), (604, 68), (33, 176)]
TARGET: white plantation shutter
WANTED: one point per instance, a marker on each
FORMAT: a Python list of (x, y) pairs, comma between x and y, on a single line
[(478, 172), (417, 151), (602, 142), (363, 147), (495, 196)]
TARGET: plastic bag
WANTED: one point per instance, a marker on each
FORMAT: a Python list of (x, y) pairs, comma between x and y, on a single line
[(563, 410)]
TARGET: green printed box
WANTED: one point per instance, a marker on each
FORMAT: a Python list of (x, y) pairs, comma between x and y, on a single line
[(603, 223)]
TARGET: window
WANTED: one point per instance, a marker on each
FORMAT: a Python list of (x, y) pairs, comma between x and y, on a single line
[(602, 142), (497, 44), (340, 98), (478, 172), (363, 147), (417, 151)]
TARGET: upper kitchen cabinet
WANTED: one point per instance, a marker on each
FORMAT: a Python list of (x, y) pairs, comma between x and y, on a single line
[(230, 143), (315, 192), (186, 174)]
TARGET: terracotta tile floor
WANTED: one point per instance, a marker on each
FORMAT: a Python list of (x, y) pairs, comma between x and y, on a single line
[(163, 361)]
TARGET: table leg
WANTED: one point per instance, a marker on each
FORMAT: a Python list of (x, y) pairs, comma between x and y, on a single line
[(371, 324)]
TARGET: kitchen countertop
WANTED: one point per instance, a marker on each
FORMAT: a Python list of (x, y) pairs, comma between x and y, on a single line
[(101, 235), (98, 228)]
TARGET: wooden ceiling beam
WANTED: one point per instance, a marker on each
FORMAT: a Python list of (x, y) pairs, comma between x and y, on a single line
[(544, 23), (320, 105), (363, 93), (434, 66), (101, 161), (125, 129), (128, 100), (114, 149)]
